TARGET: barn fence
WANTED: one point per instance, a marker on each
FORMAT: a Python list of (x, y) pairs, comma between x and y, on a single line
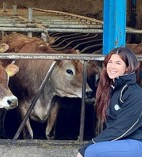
[(83, 57)]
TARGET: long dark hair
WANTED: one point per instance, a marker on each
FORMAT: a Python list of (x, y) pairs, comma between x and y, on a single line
[(103, 90)]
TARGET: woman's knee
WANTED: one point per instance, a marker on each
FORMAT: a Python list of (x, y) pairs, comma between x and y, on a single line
[(93, 150)]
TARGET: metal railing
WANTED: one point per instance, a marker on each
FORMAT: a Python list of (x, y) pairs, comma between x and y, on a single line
[(84, 57)]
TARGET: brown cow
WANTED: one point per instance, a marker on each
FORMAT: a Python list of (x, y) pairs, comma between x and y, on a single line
[(7, 99), (65, 81)]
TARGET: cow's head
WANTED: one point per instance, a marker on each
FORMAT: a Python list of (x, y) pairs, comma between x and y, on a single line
[(67, 78), (7, 99)]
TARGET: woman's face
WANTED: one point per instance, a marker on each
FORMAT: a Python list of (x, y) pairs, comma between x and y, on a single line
[(115, 66)]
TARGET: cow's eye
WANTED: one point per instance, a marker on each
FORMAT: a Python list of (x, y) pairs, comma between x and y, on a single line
[(69, 71)]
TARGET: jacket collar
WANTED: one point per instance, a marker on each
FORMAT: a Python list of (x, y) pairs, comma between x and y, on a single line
[(125, 79)]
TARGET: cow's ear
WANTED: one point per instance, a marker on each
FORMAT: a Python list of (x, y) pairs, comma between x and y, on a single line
[(3, 47)]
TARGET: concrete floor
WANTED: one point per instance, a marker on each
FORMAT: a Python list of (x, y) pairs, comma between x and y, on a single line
[(38, 148)]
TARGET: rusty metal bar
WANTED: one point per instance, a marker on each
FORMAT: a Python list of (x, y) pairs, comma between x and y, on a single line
[(47, 76)]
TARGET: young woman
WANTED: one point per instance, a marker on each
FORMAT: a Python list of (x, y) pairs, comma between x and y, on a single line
[(119, 106)]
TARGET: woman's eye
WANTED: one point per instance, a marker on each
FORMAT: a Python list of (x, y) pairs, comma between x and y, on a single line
[(119, 63), (69, 71)]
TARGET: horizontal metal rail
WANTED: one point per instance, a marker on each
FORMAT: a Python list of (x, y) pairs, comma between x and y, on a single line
[(133, 31), (13, 29), (97, 57), (59, 25), (54, 21), (84, 29), (52, 56)]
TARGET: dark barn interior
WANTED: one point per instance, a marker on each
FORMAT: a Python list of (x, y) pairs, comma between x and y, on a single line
[(68, 122)]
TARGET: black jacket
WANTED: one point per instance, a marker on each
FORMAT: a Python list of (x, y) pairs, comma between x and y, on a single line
[(124, 114)]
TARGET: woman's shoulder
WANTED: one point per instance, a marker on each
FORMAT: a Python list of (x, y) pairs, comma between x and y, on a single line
[(133, 91), (132, 97)]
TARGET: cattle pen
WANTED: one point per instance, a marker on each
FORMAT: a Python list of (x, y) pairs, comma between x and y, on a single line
[(62, 30)]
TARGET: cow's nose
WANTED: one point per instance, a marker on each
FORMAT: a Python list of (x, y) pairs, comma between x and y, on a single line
[(13, 102), (89, 94)]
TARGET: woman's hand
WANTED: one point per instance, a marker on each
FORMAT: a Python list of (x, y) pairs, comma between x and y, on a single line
[(11, 69), (79, 155)]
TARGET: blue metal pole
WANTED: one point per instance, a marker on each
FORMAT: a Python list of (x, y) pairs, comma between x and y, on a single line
[(114, 28)]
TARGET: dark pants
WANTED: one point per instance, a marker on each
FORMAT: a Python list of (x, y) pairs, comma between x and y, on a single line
[(120, 148)]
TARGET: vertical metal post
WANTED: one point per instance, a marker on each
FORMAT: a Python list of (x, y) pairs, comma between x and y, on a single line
[(114, 29), (30, 15), (14, 9), (4, 6), (30, 19), (82, 118)]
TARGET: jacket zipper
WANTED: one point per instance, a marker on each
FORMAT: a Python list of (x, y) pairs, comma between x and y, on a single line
[(121, 93)]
